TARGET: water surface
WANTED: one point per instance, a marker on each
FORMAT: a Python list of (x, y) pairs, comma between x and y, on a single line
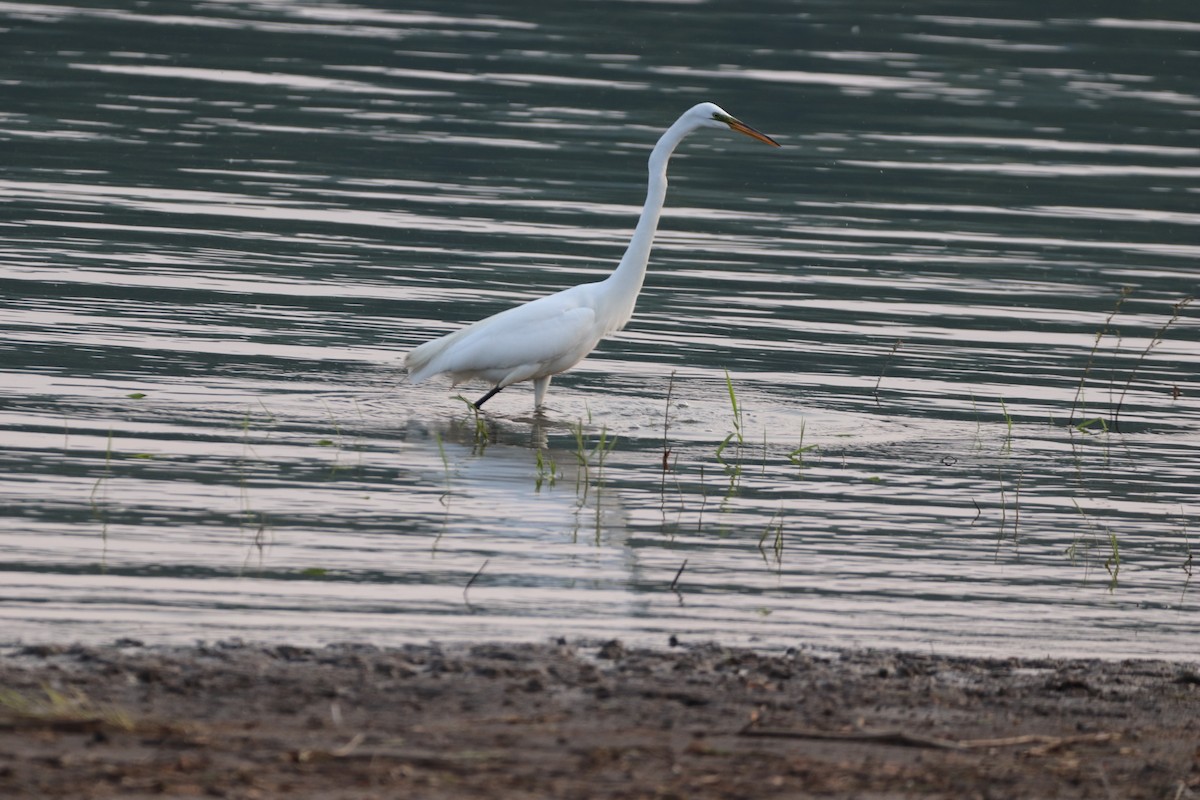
[(952, 309)]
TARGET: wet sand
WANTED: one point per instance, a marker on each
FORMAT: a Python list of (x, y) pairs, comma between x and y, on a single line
[(588, 720)]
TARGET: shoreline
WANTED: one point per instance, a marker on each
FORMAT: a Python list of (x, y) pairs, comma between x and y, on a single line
[(587, 719)]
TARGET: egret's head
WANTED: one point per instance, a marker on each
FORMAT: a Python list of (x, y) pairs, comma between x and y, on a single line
[(711, 115)]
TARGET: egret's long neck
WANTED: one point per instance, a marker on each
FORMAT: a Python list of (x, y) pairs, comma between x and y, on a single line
[(626, 281)]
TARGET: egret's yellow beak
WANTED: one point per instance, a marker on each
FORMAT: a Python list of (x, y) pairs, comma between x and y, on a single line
[(741, 127)]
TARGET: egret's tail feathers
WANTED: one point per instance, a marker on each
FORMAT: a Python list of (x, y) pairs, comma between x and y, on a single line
[(423, 361), (418, 362)]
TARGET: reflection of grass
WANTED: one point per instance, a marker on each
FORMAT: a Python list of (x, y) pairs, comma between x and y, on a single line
[(248, 517), (335, 443), (1082, 547), (480, 431), (1186, 565), (97, 507), (437, 437), (1113, 562), (98, 499), (774, 530), (584, 456), (1016, 508)]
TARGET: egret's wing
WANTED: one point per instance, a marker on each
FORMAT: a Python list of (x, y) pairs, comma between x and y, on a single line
[(542, 337)]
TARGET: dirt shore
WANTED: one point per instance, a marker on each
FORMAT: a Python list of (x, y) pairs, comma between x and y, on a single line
[(587, 721)]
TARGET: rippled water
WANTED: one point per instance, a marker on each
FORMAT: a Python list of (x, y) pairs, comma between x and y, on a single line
[(224, 223)]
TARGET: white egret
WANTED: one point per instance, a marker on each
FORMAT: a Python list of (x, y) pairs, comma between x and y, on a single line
[(549, 335)]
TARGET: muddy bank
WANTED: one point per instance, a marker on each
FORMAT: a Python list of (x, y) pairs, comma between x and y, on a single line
[(587, 721)]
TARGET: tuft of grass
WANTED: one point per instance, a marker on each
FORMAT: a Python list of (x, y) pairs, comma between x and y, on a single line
[(1100, 334), (1186, 565), (1004, 507), (1114, 422), (547, 470), (1155, 341), (735, 437), (738, 419), (1009, 425), (248, 518), (1083, 545), (978, 423), (98, 498), (482, 439), (1017, 506), (1093, 426), (1113, 562), (666, 451), (721, 449), (774, 530), (797, 456), (678, 573), (585, 455), (71, 709), (670, 460), (886, 363), (335, 443)]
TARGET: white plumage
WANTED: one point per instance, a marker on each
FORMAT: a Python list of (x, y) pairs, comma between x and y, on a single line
[(549, 335)]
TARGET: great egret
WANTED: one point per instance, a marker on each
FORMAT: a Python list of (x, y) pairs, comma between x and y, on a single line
[(549, 335)]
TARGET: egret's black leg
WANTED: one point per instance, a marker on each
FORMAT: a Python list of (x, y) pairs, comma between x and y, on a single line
[(479, 403)]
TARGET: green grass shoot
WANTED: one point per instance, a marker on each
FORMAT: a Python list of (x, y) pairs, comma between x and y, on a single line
[(732, 469), (584, 455), (796, 456), (1093, 426), (738, 419), (547, 470)]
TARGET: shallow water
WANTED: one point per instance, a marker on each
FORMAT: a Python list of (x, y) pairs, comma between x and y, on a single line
[(225, 223)]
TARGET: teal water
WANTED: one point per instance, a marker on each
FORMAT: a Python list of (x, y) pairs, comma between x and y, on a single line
[(225, 223)]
